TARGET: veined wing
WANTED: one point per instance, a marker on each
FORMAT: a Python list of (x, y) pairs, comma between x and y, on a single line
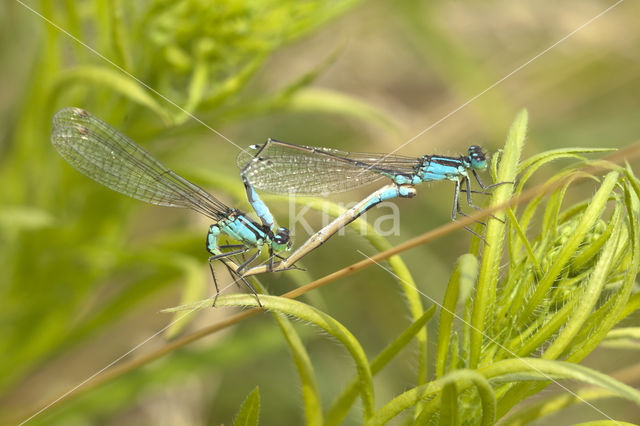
[(102, 153), (287, 168)]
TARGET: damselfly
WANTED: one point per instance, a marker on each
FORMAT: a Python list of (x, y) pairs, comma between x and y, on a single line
[(387, 192), (282, 167), (102, 153)]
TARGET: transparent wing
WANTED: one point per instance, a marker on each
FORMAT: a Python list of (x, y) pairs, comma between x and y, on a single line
[(102, 153), (286, 168)]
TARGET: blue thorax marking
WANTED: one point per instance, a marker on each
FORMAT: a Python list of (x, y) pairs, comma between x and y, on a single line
[(243, 229), (440, 168), (240, 228), (432, 168), (212, 239)]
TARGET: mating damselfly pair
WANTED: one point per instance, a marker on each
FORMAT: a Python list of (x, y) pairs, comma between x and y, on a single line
[(104, 154)]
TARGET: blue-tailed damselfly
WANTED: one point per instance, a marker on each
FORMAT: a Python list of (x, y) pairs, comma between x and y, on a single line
[(285, 168)]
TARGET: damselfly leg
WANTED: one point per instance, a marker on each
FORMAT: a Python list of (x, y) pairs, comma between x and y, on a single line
[(223, 257), (484, 191), (456, 208)]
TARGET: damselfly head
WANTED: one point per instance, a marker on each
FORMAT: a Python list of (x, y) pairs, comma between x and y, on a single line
[(281, 239), (477, 157)]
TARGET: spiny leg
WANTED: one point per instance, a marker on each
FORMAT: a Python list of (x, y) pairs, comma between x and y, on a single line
[(238, 274), (456, 208), (456, 195), (469, 202), (246, 263), (244, 281), (222, 257), (271, 259), (484, 188), (273, 254), (215, 283), (250, 287), (231, 246), (288, 268), (240, 269), (291, 268), (475, 192)]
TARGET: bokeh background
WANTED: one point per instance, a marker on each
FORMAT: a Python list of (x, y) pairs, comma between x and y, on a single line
[(85, 271)]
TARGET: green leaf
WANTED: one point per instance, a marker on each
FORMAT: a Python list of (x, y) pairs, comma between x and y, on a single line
[(623, 338), (308, 313), (317, 100), (543, 158), (554, 404), (196, 281), (114, 80), (449, 405), (588, 219), (488, 276), (587, 300), (249, 412), (24, 217), (466, 271), (197, 89), (534, 369), (310, 395), (463, 379), (343, 402), (607, 318)]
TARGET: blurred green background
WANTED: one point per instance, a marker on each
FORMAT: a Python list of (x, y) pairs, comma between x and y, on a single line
[(85, 271)]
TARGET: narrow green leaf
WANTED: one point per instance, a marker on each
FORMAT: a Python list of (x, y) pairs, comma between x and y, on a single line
[(592, 213), (463, 380), (232, 84), (342, 404), (614, 314), (624, 333), (588, 298), (523, 369), (449, 405), (306, 79), (316, 100), (489, 268), (310, 396), (249, 412), (536, 161), (308, 313), (18, 218), (521, 237), (195, 286), (466, 270), (111, 79), (524, 345), (197, 89), (554, 404)]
